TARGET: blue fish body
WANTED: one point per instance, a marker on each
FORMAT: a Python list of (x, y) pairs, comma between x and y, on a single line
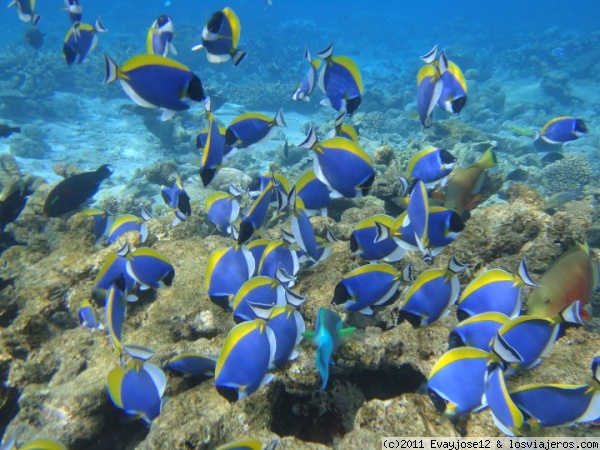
[(493, 291), (177, 199), (507, 416), (429, 89), (257, 248), (430, 296), (373, 284), (477, 331), (124, 224), (529, 338), (341, 81), (363, 240), (87, 317), (193, 365), (114, 313), (304, 233), (275, 255), (342, 165), (313, 192), (247, 354), (252, 128), (138, 390), (227, 269), (307, 85), (102, 222), (114, 267), (80, 40), (153, 81), (569, 403), (202, 139), (260, 290), (74, 9), (212, 154), (150, 268), (160, 35), (287, 325), (327, 337), (255, 216), (220, 38), (561, 130), (456, 381), (281, 186), (430, 165), (222, 210), (454, 87), (25, 10)]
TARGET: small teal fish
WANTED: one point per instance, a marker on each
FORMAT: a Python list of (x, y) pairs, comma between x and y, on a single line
[(255, 216), (128, 222), (341, 81), (159, 37), (494, 291), (327, 338), (363, 240), (220, 38), (454, 86), (223, 209), (227, 269), (431, 165), (150, 268), (80, 40), (288, 326), (178, 200), (138, 389), (87, 317), (477, 331), (456, 381), (306, 87), (366, 286), (342, 165), (432, 294), (507, 416), (153, 81), (247, 355), (561, 130), (192, 365), (252, 128), (522, 342)]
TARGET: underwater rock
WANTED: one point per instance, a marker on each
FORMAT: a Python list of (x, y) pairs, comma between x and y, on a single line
[(448, 133), (25, 147), (162, 173), (568, 174), (383, 155), (556, 85)]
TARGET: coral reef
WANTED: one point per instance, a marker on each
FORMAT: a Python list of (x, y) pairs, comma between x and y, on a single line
[(568, 174)]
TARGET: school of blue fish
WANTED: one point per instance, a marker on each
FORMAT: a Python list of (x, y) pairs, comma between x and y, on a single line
[(496, 337)]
